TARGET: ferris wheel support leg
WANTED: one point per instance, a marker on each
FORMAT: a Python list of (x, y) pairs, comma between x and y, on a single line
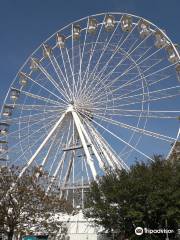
[(101, 163), (83, 141), (42, 145), (110, 156)]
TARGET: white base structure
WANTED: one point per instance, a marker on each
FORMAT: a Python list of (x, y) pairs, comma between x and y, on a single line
[(81, 228)]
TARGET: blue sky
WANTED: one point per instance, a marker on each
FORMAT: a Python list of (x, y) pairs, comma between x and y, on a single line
[(24, 24)]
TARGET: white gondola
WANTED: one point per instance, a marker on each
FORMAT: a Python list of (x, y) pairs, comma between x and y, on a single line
[(172, 56), (34, 64), (7, 111), (76, 32), (4, 128), (14, 94), (47, 51), (144, 28), (3, 147), (126, 23), (23, 79), (92, 26), (109, 23), (161, 40), (60, 40)]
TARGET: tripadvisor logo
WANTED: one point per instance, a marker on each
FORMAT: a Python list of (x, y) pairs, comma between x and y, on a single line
[(139, 231)]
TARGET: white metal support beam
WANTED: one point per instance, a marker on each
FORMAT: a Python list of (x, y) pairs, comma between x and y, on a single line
[(101, 163), (110, 156), (86, 150), (42, 144)]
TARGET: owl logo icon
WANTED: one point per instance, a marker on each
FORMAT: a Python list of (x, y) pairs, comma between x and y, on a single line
[(139, 231)]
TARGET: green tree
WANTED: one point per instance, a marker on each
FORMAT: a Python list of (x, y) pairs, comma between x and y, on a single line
[(146, 196), (27, 206)]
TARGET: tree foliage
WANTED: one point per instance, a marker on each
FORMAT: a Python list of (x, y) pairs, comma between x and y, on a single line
[(24, 205), (146, 196)]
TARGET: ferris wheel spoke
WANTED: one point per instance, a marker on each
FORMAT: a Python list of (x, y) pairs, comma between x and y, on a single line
[(113, 81), (119, 45), (36, 117), (92, 75), (137, 129), (35, 141), (59, 73), (67, 87), (97, 99), (46, 89), (91, 55), (146, 100), (121, 140), (27, 149), (149, 100), (135, 65), (79, 84), (35, 96), (136, 114), (66, 71), (131, 81), (72, 63), (128, 54), (151, 94), (73, 85), (44, 108), (148, 84), (138, 89), (131, 67), (28, 136), (136, 62), (42, 126), (112, 71), (53, 82)]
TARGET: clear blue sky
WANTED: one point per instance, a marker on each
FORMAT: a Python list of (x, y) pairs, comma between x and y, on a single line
[(24, 24)]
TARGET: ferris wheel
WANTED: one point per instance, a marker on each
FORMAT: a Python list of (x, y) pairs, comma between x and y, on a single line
[(101, 92)]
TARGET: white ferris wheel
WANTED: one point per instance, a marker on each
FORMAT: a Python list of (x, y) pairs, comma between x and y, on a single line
[(100, 92)]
